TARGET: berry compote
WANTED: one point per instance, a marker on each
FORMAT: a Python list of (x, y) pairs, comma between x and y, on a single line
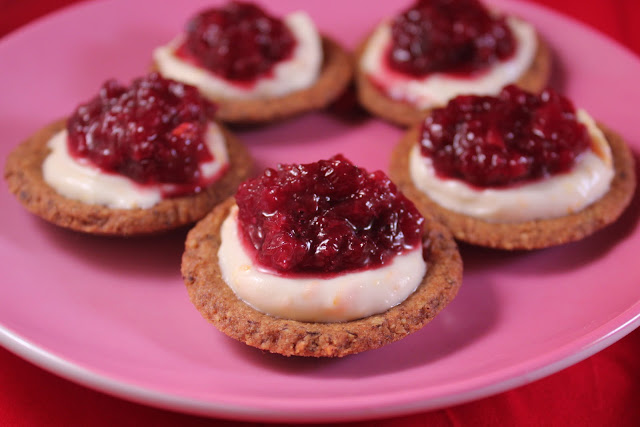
[(453, 36), (151, 132), (325, 218), (237, 42), (504, 140)]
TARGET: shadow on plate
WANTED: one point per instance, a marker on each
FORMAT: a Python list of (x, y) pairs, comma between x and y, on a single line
[(558, 79), (157, 255)]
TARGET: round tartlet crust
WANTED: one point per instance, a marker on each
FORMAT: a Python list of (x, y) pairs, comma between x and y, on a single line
[(335, 75), (219, 305), (23, 173), (403, 113), (534, 234)]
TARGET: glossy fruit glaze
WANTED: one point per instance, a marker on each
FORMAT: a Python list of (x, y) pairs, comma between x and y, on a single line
[(325, 217), (238, 41), (508, 139), (453, 36), (151, 132)]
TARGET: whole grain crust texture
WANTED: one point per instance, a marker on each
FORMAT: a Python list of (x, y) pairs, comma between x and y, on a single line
[(218, 304), (23, 173)]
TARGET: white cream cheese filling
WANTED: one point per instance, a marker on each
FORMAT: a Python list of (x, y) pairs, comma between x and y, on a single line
[(438, 88), (296, 73), (556, 196), (342, 298), (79, 180)]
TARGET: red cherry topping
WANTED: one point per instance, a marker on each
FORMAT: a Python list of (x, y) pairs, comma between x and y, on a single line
[(454, 36), (152, 131), (238, 41), (498, 141), (325, 217)]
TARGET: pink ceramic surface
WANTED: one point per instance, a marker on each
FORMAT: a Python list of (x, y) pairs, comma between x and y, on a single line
[(113, 314)]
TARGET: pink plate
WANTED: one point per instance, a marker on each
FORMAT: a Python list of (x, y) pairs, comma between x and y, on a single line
[(113, 314)]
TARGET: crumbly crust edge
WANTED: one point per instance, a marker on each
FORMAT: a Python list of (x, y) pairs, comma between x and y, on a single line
[(23, 173), (535, 234), (219, 305), (401, 113)]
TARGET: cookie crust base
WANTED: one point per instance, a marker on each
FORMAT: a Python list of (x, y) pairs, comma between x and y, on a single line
[(219, 305), (23, 173), (405, 114), (335, 75), (533, 234)]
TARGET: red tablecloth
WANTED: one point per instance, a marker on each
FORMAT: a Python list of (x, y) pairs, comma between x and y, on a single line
[(603, 390)]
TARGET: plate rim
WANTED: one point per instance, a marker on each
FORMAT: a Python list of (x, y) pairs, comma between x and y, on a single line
[(96, 381), (58, 365)]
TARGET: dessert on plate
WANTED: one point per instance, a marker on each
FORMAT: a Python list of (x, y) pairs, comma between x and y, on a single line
[(320, 259), (132, 160), (515, 171), (256, 67), (438, 49)]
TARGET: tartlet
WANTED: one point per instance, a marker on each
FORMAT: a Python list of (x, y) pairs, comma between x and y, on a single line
[(404, 112), (333, 74), (533, 233), (24, 175), (220, 305)]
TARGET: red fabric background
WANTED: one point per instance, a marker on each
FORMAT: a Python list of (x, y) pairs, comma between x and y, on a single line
[(603, 390)]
